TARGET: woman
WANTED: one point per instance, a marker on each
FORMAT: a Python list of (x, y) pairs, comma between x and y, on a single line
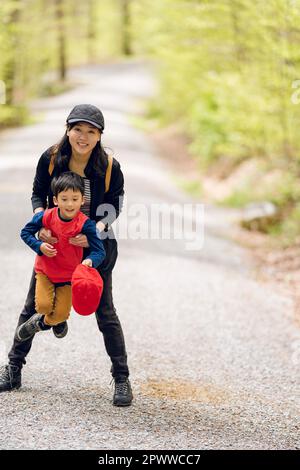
[(80, 151)]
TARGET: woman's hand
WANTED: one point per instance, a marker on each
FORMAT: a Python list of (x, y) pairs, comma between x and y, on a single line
[(87, 262), (46, 236), (48, 250), (79, 240)]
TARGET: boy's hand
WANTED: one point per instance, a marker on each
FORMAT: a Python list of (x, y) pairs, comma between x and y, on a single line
[(79, 240), (88, 262), (48, 250), (46, 236)]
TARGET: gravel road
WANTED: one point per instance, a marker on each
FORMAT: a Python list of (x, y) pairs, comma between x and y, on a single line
[(214, 354)]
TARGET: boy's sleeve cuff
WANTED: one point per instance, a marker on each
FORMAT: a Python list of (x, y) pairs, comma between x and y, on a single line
[(39, 252)]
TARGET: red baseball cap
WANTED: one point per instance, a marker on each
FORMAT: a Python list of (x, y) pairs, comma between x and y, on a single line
[(87, 287)]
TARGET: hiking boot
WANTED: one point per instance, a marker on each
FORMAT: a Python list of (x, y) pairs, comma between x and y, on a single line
[(60, 330), (122, 393), (10, 377), (29, 328)]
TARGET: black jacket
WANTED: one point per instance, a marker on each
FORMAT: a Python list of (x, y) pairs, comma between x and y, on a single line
[(43, 197)]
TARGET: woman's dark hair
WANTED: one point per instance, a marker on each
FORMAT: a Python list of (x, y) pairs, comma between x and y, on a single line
[(67, 180), (62, 152)]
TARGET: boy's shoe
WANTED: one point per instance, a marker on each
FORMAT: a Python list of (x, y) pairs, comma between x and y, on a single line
[(10, 377), (60, 330), (29, 328), (122, 393)]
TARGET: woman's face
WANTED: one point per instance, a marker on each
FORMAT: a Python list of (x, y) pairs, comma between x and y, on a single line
[(83, 137)]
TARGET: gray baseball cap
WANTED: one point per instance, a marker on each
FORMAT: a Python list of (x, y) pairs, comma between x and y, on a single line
[(87, 113)]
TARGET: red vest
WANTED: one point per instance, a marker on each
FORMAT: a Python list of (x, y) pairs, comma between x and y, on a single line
[(60, 268)]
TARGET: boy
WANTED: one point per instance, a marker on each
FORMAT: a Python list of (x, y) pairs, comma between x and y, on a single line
[(54, 266)]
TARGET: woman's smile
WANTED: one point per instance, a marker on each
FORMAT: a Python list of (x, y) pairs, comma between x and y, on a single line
[(82, 147)]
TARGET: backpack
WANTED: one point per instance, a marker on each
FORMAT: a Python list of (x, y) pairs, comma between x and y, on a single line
[(107, 174)]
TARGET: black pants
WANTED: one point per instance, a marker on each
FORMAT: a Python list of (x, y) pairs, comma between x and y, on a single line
[(107, 320)]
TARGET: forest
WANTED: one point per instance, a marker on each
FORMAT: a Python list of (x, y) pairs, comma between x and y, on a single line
[(229, 79)]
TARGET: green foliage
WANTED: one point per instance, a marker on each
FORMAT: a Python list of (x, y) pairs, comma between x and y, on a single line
[(41, 39), (53, 88), (13, 116), (193, 187), (289, 228), (226, 69), (228, 74)]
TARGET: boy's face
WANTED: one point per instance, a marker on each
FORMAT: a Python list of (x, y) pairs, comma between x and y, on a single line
[(69, 203)]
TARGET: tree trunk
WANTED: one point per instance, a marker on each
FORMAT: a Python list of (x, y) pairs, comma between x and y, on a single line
[(92, 30), (61, 36), (125, 25), (10, 77)]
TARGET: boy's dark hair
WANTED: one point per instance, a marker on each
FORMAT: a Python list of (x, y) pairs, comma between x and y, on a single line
[(65, 181)]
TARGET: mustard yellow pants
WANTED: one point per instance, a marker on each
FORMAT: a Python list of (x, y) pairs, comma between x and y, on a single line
[(52, 301)]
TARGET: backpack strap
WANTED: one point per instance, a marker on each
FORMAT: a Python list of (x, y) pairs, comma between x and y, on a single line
[(52, 159), (51, 165), (108, 173)]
